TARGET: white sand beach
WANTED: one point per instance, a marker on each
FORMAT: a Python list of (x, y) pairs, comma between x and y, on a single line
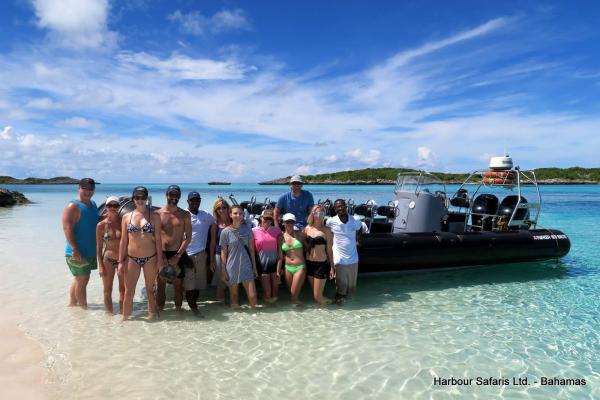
[(22, 372)]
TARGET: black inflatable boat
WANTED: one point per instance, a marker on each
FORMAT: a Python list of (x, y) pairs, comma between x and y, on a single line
[(490, 219)]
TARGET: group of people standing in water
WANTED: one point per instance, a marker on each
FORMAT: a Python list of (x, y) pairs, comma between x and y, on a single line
[(191, 248)]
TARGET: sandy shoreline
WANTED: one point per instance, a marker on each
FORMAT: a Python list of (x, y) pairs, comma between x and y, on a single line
[(22, 372)]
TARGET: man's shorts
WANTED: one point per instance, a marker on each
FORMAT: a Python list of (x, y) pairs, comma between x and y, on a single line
[(195, 277), (345, 278), (184, 262), (84, 267)]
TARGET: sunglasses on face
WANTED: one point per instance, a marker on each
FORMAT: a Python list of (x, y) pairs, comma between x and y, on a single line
[(140, 197), (268, 218), (318, 213), (222, 208), (112, 205)]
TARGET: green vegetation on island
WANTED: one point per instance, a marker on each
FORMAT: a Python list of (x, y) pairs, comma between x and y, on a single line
[(387, 176), (59, 180)]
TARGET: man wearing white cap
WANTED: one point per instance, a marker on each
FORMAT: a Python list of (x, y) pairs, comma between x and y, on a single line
[(297, 201)]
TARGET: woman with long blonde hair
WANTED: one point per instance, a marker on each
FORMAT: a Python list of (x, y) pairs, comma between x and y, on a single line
[(222, 220)]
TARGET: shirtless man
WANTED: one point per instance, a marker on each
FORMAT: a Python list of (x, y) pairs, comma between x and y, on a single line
[(176, 233)]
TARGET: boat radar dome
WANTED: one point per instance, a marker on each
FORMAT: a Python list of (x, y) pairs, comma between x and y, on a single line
[(501, 163)]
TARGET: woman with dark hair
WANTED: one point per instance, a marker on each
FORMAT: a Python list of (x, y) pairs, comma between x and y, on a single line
[(222, 221), (140, 249), (237, 258), (319, 254), (108, 236), (267, 245)]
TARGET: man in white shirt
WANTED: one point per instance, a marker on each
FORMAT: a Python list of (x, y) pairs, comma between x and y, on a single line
[(346, 235), (195, 278)]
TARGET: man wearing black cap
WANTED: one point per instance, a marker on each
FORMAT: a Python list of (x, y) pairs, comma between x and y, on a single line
[(196, 278), (79, 221), (176, 233)]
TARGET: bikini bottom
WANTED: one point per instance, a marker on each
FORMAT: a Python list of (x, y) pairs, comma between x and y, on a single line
[(112, 261), (292, 269), (142, 260)]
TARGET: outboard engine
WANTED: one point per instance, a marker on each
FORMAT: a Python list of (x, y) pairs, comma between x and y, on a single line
[(507, 207), (483, 211)]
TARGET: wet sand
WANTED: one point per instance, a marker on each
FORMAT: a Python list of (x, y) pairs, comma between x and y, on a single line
[(22, 373)]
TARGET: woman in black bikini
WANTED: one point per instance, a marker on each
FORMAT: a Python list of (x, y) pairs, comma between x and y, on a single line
[(108, 235), (140, 249), (319, 253)]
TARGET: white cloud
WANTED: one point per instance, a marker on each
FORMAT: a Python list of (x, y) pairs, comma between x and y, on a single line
[(80, 122), (303, 170), (235, 169), (42, 103), (229, 20), (76, 23), (183, 67), (370, 158), (6, 133), (195, 23)]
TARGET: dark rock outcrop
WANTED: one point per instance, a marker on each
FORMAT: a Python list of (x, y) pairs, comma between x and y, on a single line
[(10, 198)]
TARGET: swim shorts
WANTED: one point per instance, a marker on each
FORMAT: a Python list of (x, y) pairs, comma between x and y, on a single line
[(318, 269), (84, 267)]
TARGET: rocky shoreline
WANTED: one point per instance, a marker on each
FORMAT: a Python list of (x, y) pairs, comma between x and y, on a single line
[(10, 198)]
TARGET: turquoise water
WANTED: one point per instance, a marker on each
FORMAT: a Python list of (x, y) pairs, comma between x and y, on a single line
[(527, 320)]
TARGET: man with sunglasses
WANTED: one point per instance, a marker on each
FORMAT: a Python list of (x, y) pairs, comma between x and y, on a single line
[(79, 221), (196, 277), (176, 233), (297, 201)]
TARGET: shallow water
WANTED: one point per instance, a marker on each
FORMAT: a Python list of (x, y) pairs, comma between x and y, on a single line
[(402, 330)]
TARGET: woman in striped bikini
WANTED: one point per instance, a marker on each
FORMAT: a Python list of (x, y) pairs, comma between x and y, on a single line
[(140, 249), (108, 236)]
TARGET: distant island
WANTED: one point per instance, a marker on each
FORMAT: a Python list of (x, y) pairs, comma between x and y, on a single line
[(59, 180), (219, 183), (387, 176)]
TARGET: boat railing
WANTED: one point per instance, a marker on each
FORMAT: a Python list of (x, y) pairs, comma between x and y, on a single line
[(524, 213)]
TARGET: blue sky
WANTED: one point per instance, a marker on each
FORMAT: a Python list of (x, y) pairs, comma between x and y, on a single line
[(191, 91)]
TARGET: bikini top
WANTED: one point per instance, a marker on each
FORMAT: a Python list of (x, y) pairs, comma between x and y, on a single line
[(147, 228), (107, 235), (296, 245), (315, 241)]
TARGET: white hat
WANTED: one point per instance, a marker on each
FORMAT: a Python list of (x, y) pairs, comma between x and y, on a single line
[(288, 217), (111, 199), (296, 178)]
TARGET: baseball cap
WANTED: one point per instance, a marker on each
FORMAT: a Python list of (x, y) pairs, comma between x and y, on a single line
[(296, 178), (112, 199), (288, 217), (87, 183), (174, 189), (194, 195), (140, 190)]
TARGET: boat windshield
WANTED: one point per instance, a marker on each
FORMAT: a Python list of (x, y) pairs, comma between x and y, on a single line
[(420, 181)]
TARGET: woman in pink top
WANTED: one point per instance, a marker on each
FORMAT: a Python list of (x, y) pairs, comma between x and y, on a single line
[(267, 242)]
